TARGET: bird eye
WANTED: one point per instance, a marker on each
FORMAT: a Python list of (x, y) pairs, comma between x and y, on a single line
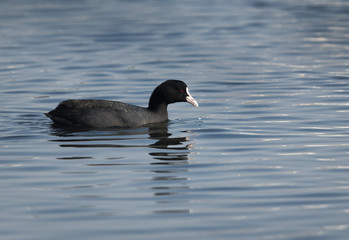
[(181, 90)]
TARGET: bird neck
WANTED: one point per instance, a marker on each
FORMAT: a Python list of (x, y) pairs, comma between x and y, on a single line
[(157, 102)]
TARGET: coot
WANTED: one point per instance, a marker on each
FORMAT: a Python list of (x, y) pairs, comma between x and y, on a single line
[(103, 113)]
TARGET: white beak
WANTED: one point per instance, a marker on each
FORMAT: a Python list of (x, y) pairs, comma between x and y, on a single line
[(190, 99)]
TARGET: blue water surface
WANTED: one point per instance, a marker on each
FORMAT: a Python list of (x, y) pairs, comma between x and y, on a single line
[(264, 157)]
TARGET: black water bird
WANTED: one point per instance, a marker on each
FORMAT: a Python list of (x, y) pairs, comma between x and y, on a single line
[(104, 113)]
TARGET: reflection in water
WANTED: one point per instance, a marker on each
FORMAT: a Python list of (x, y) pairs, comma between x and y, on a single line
[(169, 184), (77, 137)]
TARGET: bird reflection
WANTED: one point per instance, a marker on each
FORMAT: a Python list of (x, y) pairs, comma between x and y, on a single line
[(169, 182), (170, 185), (166, 142), (174, 148)]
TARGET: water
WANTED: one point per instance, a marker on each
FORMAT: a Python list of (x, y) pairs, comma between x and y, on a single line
[(264, 157)]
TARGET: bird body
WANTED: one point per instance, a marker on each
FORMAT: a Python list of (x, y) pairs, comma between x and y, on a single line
[(104, 113)]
